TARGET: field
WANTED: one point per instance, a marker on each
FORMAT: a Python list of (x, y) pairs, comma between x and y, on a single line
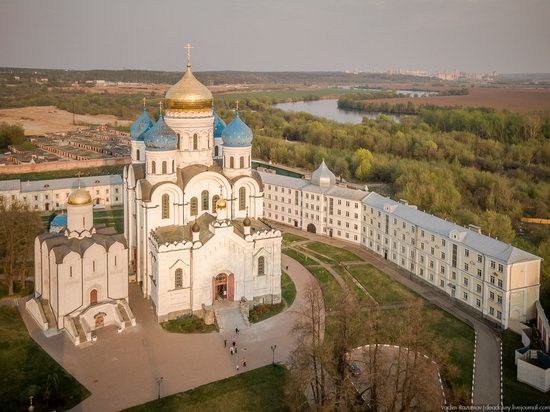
[(260, 389), (512, 99), (38, 120)]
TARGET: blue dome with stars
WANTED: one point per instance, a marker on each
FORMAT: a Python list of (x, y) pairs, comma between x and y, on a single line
[(160, 136), (237, 133), (219, 125), (140, 125)]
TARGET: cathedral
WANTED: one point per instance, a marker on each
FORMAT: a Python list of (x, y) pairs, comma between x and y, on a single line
[(193, 208)]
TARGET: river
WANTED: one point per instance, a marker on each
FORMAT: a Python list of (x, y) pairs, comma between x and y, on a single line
[(328, 109)]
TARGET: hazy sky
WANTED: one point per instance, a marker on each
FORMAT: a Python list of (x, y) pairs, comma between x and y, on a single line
[(474, 35)]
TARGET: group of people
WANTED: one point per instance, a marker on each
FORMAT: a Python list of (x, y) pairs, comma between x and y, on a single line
[(233, 349)]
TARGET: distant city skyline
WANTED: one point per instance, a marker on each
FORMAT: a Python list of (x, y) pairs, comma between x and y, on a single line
[(506, 36)]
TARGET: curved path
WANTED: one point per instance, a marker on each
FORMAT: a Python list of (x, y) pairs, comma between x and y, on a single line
[(121, 369), (486, 385)]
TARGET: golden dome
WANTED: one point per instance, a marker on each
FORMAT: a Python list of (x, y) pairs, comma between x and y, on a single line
[(221, 204), (80, 197), (188, 94)]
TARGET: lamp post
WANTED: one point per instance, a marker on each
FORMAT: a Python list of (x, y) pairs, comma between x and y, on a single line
[(159, 381), (273, 347)]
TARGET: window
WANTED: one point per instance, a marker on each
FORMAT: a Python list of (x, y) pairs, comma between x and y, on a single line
[(479, 272), (165, 206), (194, 206), (466, 252), (493, 280), (93, 265), (216, 151), (231, 162), (137, 154), (178, 279), (70, 271), (479, 258), (214, 200), (173, 166), (153, 168), (454, 256), (493, 264), (241, 162), (465, 295), (500, 283), (242, 198), (500, 268), (492, 311), (261, 266), (93, 296), (499, 299), (478, 288), (164, 167), (204, 200), (466, 266), (492, 295), (195, 142), (466, 282)]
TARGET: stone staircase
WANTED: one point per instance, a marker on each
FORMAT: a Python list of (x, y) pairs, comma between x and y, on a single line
[(79, 329), (229, 316), (124, 315), (48, 313)]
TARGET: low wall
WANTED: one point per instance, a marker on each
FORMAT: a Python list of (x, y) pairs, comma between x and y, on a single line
[(63, 165), (533, 375), (33, 307)]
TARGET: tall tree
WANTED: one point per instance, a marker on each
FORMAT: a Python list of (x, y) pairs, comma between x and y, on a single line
[(18, 229)]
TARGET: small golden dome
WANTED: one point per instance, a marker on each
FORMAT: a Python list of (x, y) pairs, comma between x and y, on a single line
[(188, 94), (80, 197), (221, 204)]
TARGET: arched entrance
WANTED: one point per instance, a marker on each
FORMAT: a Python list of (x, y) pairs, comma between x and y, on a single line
[(311, 228), (223, 287), (99, 320), (93, 297)]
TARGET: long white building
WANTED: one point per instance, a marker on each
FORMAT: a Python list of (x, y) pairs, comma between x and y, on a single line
[(53, 194), (498, 280)]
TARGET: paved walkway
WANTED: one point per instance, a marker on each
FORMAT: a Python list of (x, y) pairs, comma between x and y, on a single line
[(121, 369), (487, 367)]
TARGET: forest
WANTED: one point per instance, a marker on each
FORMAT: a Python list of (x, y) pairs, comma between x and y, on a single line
[(469, 166)]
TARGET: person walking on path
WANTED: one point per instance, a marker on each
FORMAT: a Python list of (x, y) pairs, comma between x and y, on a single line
[(237, 367), (231, 350), (237, 330), (234, 342), (235, 349), (243, 361), (225, 343)]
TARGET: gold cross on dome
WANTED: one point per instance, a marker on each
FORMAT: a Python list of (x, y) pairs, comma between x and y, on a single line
[(237, 103), (160, 107), (144, 101), (78, 178), (188, 47)]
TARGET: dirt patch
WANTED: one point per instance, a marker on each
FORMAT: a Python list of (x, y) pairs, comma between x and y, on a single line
[(37, 120), (514, 100)]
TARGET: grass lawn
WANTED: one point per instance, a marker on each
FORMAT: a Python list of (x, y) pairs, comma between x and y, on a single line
[(335, 253), (110, 217), (256, 390), (515, 392), (288, 238), (288, 293), (25, 370), (188, 324), (322, 258), (300, 257), (384, 289), (332, 291), (18, 291), (361, 297)]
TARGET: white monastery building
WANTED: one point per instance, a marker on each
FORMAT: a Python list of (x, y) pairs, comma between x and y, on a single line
[(499, 281), (193, 208), (81, 275), (53, 194)]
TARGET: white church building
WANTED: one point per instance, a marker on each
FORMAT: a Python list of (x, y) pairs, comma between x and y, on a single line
[(81, 275), (193, 208)]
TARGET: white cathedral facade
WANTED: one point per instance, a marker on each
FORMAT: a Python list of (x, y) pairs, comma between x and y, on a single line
[(193, 208)]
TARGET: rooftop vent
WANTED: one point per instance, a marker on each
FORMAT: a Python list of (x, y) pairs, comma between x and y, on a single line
[(475, 228)]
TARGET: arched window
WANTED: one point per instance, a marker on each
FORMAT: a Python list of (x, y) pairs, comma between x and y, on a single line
[(261, 266), (153, 167), (137, 154), (214, 200), (93, 297), (231, 162), (204, 200), (173, 166), (194, 206), (164, 168), (195, 142), (216, 151), (179, 142), (241, 165), (242, 198), (179, 279), (165, 206)]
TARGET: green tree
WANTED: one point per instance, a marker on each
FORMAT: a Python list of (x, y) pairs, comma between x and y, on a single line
[(497, 225)]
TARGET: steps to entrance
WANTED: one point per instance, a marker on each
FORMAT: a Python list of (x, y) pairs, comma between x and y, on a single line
[(48, 313), (229, 316), (79, 329)]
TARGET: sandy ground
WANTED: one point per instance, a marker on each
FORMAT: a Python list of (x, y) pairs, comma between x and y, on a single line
[(513, 99), (38, 120)]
